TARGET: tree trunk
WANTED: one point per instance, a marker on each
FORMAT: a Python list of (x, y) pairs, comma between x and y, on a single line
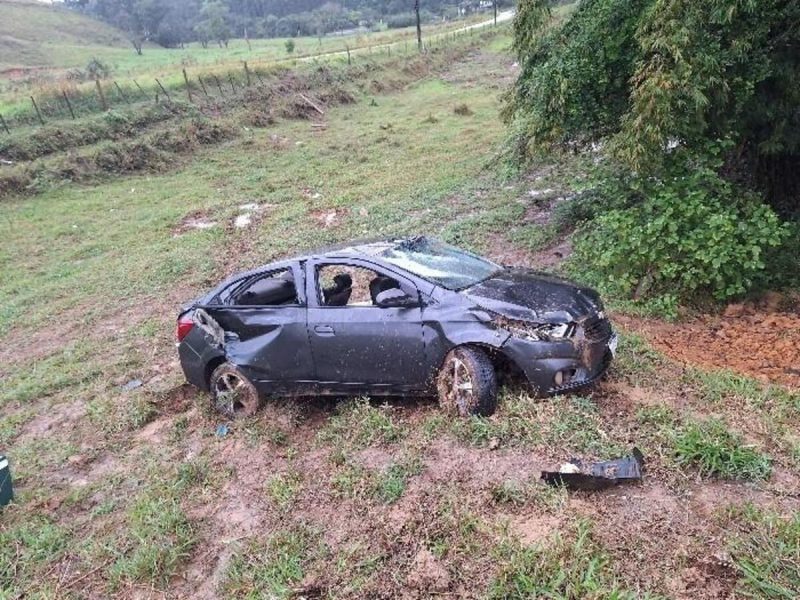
[(494, 6), (419, 26)]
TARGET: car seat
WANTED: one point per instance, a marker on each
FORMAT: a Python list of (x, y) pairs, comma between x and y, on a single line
[(339, 293), (380, 284)]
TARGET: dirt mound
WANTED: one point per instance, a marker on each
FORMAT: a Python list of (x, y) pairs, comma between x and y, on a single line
[(761, 342)]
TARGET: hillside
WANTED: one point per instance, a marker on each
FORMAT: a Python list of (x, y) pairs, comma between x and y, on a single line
[(33, 34)]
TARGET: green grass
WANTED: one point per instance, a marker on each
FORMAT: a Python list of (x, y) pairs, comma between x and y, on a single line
[(358, 424), (33, 34), (715, 451), (25, 551), (283, 488), (269, 570), (158, 537), (567, 567), (764, 548)]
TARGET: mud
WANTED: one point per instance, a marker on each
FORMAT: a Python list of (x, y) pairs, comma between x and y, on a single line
[(757, 341)]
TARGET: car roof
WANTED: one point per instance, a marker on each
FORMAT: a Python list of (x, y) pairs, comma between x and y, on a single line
[(359, 248)]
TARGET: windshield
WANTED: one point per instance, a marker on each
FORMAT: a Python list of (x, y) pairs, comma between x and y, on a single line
[(439, 263)]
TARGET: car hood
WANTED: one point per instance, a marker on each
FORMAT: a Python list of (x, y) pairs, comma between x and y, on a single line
[(533, 296)]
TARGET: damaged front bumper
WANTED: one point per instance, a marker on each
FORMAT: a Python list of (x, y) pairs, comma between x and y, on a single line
[(563, 366)]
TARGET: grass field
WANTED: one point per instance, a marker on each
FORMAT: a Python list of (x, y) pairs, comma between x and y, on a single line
[(39, 43), (130, 493)]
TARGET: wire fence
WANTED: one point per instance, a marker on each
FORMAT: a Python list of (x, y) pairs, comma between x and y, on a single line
[(79, 101)]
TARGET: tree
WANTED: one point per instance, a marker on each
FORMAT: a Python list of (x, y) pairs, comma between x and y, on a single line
[(214, 22), (289, 46), (650, 75)]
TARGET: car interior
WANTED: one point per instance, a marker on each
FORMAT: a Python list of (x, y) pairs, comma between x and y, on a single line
[(354, 286), (275, 289)]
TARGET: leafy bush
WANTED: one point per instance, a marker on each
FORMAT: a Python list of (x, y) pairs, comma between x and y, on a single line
[(683, 238)]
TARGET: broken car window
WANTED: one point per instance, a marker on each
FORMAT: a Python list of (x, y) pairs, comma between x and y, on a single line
[(273, 289), (344, 285), (439, 263)]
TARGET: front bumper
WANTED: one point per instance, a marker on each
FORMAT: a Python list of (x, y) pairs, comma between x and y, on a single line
[(563, 366)]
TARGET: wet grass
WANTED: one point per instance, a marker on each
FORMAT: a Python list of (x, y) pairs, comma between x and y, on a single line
[(342, 499)]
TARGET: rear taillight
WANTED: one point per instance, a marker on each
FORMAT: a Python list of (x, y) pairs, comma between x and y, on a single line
[(185, 324)]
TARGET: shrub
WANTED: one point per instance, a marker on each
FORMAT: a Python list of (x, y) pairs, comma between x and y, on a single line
[(690, 236)]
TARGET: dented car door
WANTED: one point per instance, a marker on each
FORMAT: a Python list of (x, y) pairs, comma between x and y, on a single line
[(376, 347), (269, 343)]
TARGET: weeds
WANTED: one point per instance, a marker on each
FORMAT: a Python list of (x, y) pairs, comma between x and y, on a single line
[(715, 451), (764, 551), (262, 571), (570, 567), (283, 488), (159, 538), (358, 424)]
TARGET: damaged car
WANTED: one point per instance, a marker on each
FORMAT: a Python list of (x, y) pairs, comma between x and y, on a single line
[(409, 316)]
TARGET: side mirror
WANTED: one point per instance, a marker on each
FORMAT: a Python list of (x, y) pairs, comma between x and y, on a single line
[(395, 298)]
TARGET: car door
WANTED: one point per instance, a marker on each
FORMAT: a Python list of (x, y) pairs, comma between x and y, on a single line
[(265, 329), (359, 343)]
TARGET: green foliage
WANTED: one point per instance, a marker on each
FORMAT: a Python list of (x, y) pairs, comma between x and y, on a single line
[(653, 74), (290, 46), (715, 451), (690, 237)]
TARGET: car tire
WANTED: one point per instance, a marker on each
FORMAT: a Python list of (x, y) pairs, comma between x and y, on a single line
[(467, 384), (232, 394)]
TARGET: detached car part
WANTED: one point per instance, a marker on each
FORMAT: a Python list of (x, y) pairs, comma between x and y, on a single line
[(6, 489), (407, 316), (577, 475)]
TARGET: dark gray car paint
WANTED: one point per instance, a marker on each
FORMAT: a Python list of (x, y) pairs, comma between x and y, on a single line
[(309, 348)]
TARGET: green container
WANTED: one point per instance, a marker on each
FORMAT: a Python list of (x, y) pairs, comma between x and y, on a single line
[(6, 492)]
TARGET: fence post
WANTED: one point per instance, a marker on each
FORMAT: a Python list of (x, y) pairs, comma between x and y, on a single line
[(100, 93), (219, 85), (38, 114), (5, 126), (347, 47), (188, 87), (247, 73), (202, 85), (69, 104), (121, 93), (233, 85), (145, 94), (164, 90)]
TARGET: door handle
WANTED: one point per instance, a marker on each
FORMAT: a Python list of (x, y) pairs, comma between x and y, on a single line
[(324, 330)]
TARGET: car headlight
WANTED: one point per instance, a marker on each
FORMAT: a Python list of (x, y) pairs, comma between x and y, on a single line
[(547, 332)]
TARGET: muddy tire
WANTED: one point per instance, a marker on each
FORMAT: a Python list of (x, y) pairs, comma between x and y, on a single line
[(232, 394), (467, 384)]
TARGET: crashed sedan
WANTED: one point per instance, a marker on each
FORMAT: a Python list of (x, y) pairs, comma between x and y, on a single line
[(410, 316)]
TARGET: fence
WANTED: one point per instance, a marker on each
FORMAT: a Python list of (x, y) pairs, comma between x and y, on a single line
[(200, 88)]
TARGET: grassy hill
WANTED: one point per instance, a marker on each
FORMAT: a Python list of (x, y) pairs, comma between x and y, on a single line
[(33, 34)]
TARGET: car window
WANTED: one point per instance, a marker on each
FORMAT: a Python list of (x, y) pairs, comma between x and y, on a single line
[(345, 285), (273, 289), (437, 262)]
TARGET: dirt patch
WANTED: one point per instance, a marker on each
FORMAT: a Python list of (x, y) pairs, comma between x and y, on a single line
[(195, 220), (745, 338)]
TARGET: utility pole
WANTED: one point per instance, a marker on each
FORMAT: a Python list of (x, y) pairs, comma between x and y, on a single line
[(494, 5), (419, 26)]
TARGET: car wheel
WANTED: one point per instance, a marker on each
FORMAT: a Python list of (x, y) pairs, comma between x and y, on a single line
[(232, 393), (467, 384)]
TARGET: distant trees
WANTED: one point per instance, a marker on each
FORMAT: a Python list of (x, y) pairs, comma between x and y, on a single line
[(214, 23), (172, 23)]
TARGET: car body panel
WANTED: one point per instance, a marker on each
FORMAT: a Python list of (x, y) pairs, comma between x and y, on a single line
[(313, 348)]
